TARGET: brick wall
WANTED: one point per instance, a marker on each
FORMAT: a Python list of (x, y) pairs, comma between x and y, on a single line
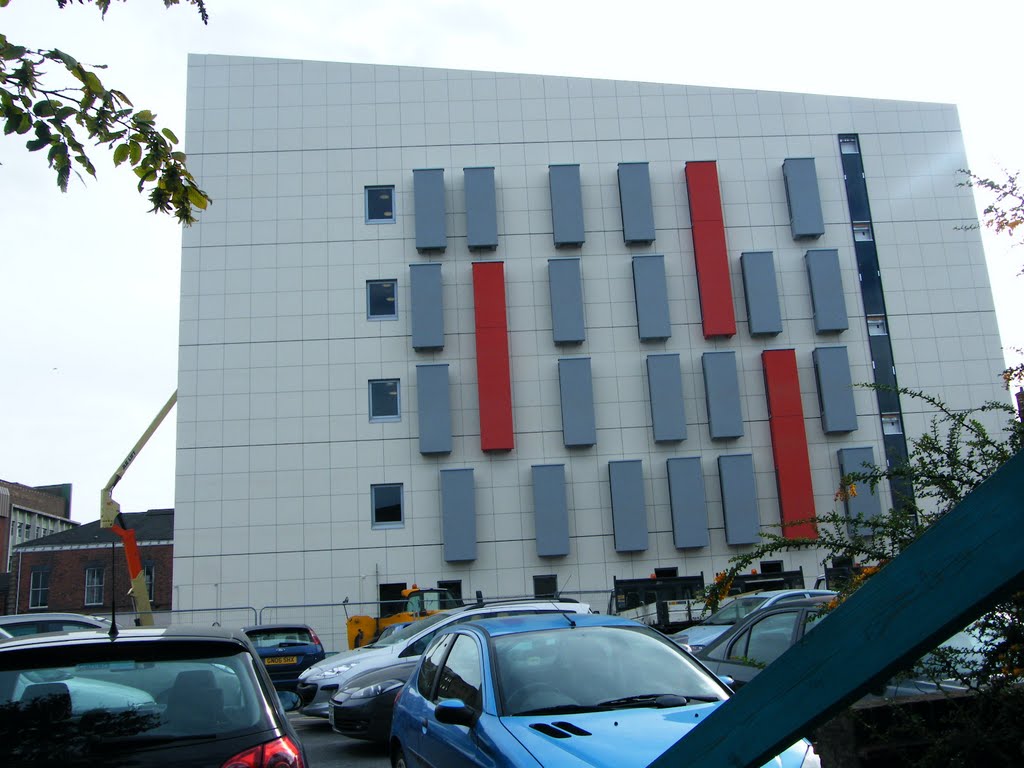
[(67, 577)]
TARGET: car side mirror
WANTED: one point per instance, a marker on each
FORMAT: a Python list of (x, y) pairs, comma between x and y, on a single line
[(454, 712), (289, 700), (728, 680)]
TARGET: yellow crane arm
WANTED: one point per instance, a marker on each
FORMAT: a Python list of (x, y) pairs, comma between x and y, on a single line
[(110, 517)]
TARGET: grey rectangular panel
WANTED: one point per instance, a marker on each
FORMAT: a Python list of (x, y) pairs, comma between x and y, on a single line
[(827, 296), (565, 287), (577, 392), (427, 306), (866, 503), (550, 514), (761, 293), (458, 515), (665, 384), (651, 295), (635, 203), (433, 403), (431, 216), (566, 204), (722, 394), (739, 499), (835, 389), (481, 209), (629, 511), (805, 218), (686, 496)]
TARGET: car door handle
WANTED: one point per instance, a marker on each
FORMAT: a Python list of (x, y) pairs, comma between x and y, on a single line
[(423, 725)]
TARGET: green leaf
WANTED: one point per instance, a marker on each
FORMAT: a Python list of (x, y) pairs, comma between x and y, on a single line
[(69, 61), (11, 52), (178, 157), (145, 116), (169, 134), (136, 152), (120, 154), (45, 108), (198, 198), (34, 145), (92, 83), (26, 123)]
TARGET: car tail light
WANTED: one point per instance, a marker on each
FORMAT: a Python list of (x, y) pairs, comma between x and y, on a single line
[(280, 753), (316, 640)]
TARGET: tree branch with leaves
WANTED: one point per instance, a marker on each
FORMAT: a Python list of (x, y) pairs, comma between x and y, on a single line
[(62, 116)]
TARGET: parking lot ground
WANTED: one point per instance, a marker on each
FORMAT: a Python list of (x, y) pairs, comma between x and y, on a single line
[(327, 749)]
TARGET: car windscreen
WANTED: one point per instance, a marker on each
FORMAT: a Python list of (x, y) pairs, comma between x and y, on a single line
[(594, 667), (272, 638), (735, 610), (103, 697), (403, 634)]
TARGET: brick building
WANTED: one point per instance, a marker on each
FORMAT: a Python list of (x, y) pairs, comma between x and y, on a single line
[(78, 570), (25, 514)]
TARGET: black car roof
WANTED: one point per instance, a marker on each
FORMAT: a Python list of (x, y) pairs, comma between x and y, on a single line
[(127, 635)]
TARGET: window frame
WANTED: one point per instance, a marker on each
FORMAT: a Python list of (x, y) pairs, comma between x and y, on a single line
[(370, 314), (149, 570), (39, 594), (397, 415), (367, 191), (376, 524), (94, 586)]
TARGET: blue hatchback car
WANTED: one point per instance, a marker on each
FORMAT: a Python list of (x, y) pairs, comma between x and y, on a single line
[(554, 690)]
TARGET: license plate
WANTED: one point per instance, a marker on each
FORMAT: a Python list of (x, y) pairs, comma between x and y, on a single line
[(272, 660)]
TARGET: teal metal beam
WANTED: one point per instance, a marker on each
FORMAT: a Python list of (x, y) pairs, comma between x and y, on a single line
[(965, 563)]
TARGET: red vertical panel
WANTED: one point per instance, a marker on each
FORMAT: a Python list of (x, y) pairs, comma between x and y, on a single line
[(789, 443), (713, 281), (494, 381)]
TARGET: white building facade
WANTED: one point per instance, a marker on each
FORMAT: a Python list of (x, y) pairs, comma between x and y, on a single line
[(511, 333)]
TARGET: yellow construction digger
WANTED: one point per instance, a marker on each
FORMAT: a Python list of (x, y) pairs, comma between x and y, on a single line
[(419, 603)]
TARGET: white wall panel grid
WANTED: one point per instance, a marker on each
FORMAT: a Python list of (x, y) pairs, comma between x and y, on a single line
[(275, 352)]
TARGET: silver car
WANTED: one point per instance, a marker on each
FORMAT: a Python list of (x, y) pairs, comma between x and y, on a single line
[(22, 624), (321, 681)]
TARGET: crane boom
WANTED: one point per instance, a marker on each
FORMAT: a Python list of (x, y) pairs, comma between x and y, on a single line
[(110, 517)]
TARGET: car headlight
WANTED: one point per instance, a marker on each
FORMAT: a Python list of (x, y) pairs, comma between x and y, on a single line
[(320, 674), (369, 691)]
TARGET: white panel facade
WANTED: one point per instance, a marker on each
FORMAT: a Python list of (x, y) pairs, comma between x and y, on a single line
[(277, 452)]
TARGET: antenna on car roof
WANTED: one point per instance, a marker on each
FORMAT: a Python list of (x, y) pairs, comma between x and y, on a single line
[(113, 590), (558, 596)]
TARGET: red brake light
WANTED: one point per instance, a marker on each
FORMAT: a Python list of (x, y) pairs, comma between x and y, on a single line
[(316, 639), (280, 753)]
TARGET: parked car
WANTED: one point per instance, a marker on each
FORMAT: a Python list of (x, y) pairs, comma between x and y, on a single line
[(390, 629), (699, 635), (745, 649), (363, 708), (286, 650), (192, 697), (321, 681), (555, 690), (21, 624)]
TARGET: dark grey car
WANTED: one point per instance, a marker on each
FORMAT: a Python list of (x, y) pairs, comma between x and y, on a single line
[(191, 697)]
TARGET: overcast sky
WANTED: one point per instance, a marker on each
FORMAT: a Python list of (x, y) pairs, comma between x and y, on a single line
[(89, 280)]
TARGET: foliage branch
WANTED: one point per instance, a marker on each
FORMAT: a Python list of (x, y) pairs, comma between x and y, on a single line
[(60, 118)]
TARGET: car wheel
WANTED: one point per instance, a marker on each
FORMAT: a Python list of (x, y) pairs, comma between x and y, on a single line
[(398, 759)]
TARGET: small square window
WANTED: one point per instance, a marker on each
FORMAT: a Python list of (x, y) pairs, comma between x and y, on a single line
[(387, 505), (891, 424), (862, 233), (848, 145), (381, 302), (877, 326), (384, 400), (380, 205)]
